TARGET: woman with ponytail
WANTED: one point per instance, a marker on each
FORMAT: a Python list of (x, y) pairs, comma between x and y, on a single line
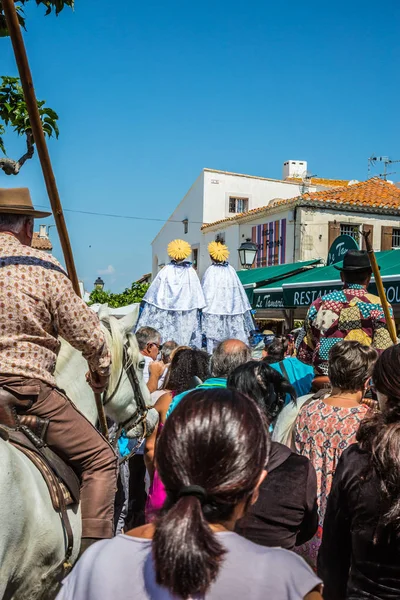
[(211, 457), (360, 551)]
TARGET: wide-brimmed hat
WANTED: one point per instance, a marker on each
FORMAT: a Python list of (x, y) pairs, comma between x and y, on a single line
[(17, 201), (355, 260)]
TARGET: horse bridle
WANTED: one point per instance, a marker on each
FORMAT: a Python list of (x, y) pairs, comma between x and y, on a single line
[(140, 414)]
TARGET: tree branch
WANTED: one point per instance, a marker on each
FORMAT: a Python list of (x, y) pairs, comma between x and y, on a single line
[(13, 167)]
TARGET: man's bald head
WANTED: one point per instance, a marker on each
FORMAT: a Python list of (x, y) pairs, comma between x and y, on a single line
[(228, 355)]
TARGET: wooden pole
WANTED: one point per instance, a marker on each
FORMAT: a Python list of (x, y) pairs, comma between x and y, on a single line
[(379, 285), (38, 135)]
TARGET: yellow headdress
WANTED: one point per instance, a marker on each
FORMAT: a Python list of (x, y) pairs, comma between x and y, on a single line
[(218, 252), (179, 249)]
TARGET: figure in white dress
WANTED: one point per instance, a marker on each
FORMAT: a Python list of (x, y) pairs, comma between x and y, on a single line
[(227, 313), (173, 301)]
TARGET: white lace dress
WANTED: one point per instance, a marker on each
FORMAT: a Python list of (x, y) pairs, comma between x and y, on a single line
[(227, 314), (172, 304)]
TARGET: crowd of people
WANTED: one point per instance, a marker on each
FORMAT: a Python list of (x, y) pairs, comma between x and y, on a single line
[(262, 480), (237, 512), (272, 474)]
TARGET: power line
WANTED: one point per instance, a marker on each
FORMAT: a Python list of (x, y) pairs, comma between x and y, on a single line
[(100, 214)]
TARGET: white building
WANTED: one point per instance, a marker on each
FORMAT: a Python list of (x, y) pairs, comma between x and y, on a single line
[(216, 196), (303, 228)]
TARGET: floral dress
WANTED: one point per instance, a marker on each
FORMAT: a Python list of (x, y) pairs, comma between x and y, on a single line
[(322, 432)]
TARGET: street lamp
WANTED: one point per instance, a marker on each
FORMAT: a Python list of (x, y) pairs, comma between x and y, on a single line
[(99, 284), (247, 253)]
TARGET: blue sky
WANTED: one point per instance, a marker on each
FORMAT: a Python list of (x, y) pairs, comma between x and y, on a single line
[(150, 93)]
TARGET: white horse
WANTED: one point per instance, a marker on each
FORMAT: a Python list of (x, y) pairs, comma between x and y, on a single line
[(32, 540)]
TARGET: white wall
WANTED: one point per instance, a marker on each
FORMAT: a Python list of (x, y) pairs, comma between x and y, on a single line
[(208, 201), (314, 229), (191, 208), (232, 240), (219, 186)]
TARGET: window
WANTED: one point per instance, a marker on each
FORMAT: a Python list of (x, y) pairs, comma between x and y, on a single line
[(396, 238), (352, 230), (195, 258), (238, 205)]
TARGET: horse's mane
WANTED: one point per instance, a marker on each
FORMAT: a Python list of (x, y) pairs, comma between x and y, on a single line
[(115, 341)]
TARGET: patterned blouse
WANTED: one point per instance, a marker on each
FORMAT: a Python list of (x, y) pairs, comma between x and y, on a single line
[(348, 314), (322, 432), (37, 304)]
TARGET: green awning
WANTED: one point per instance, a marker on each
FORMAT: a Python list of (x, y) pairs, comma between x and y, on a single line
[(252, 278), (269, 297), (302, 289)]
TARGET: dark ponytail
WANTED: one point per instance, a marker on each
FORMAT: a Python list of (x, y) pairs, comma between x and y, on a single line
[(379, 434), (215, 440)]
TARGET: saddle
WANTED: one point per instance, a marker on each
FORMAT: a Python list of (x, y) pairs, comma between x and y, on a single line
[(28, 433)]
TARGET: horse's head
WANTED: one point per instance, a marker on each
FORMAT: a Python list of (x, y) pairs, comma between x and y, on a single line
[(127, 400)]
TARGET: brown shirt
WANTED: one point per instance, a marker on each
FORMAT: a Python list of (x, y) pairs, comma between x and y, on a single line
[(38, 304)]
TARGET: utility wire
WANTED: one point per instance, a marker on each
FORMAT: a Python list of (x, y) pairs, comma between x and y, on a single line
[(100, 214)]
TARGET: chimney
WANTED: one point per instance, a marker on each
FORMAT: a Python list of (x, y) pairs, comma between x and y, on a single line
[(294, 168), (43, 231)]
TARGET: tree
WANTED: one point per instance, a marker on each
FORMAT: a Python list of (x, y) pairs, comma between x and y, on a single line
[(13, 111), (129, 296), (56, 5)]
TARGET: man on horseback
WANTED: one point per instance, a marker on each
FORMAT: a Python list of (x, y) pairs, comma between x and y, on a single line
[(38, 304)]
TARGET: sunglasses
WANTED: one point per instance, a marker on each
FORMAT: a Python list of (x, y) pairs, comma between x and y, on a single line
[(159, 346)]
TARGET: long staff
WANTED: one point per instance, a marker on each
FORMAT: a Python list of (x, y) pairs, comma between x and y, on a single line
[(380, 288), (21, 58), (25, 74)]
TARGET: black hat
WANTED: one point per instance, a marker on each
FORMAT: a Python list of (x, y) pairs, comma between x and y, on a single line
[(355, 260)]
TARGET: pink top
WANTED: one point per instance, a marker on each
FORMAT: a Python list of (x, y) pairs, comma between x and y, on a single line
[(157, 495)]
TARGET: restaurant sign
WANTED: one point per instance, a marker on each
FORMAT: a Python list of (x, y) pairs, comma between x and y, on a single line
[(340, 246), (305, 295), (300, 296), (271, 298)]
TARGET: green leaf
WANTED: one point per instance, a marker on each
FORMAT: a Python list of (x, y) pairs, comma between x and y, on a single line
[(129, 296), (14, 113), (2, 146), (57, 5), (51, 113), (47, 129)]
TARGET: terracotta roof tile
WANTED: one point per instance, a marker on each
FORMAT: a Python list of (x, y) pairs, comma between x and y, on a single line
[(373, 193), (321, 181), (41, 243)]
